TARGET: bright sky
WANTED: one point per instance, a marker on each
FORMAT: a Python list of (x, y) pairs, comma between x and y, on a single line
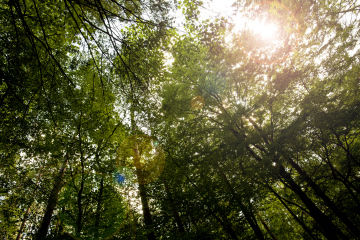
[(216, 8), (266, 30)]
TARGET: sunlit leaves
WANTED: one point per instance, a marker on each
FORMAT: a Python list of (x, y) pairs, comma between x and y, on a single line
[(145, 154)]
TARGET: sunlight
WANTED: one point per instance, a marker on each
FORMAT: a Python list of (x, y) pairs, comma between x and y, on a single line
[(145, 154), (267, 31)]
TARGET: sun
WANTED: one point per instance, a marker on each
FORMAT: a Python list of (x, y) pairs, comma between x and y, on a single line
[(261, 28), (267, 31)]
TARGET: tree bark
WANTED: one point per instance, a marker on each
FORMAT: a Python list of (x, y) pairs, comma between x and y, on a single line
[(80, 211), (18, 237), (249, 216), (292, 213), (23, 222), (99, 200), (226, 225), (325, 198), (174, 210), (142, 188), (52, 202), (143, 195), (146, 212), (329, 230), (266, 226)]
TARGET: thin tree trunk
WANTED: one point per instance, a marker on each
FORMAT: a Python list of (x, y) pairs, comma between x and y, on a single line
[(133, 229), (52, 202), (346, 148), (329, 230), (23, 222), (99, 200), (248, 214), (223, 220), (146, 212), (266, 226), (80, 211), (292, 213), (226, 225), (325, 198), (18, 237), (174, 210), (79, 194), (340, 177), (142, 188), (143, 195)]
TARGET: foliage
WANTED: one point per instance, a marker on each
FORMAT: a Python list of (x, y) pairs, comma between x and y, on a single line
[(254, 140)]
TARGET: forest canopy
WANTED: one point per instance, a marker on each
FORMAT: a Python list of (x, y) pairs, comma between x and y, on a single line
[(156, 119)]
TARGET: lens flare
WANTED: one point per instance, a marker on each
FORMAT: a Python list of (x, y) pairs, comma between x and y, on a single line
[(269, 33), (144, 155)]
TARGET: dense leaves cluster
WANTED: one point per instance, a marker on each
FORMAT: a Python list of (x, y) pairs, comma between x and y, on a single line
[(92, 91)]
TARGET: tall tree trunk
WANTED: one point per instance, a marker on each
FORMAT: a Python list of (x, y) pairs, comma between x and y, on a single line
[(143, 196), (174, 210), (249, 216), (226, 225), (79, 195), (146, 212), (80, 211), (142, 188), (18, 237), (52, 202), (99, 200), (132, 223), (329, 230), (292, 213), (325, 198), (23, 223), (266, 226)]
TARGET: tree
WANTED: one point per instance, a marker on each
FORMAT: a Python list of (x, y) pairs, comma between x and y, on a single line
[(55, 64), (260, 137), (263, 112)]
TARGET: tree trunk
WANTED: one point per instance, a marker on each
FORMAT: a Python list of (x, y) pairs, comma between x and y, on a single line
[(142, 188), (266, 226), (226, 225), (325, 198), (249, 216), (18, 237), (23, 223), (146, 212), (98, 207), (174, 210), (80, 211), (52, 202), (329, 230), (292, 213)]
